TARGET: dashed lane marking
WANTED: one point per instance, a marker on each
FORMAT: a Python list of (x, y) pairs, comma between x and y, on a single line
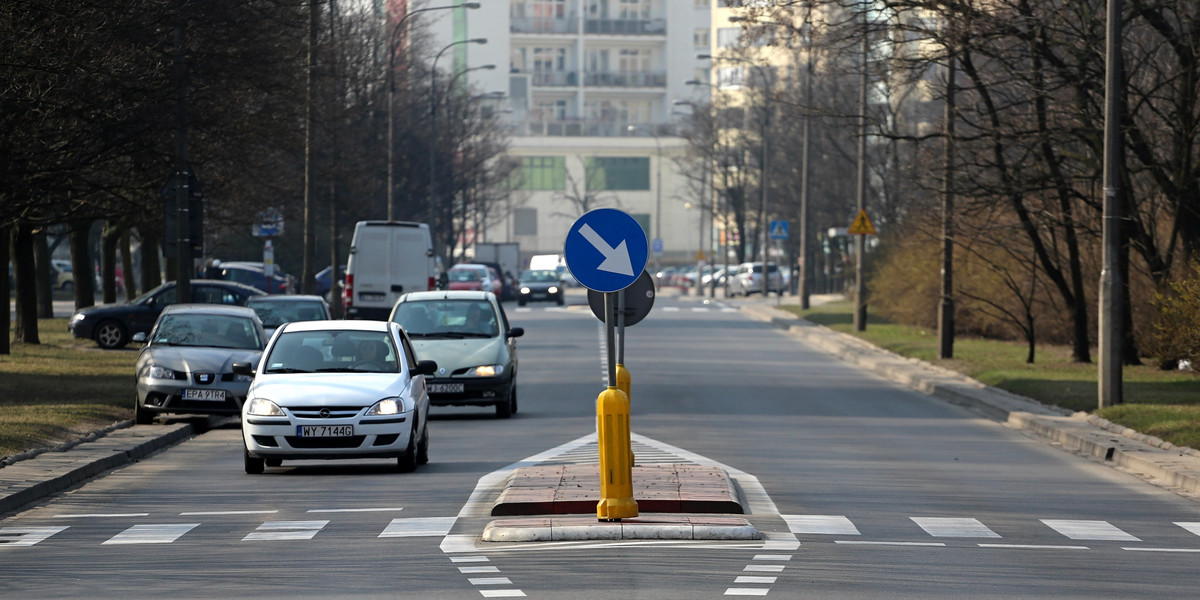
[(820, 524), (1089, 530), (152, 534), (286, 530), (26, 536), (954, 527), (419, 527)]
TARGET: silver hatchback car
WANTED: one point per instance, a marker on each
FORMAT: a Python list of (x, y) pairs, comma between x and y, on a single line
[(747, 279)]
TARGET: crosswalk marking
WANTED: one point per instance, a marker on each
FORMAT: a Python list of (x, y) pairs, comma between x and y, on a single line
[(502, 593), (26, 536), (286, 530), (821, 524), (1089, 530), (152, 534), (489, 581), (1192, 527), (763, 568), (419, 527), (954, 527), (473, 570), (754, 579), (747, 591)]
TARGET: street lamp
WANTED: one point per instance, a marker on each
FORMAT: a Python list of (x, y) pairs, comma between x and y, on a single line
[(705, 194), (763, 178), (433, 114), (391, 96), (657, 192)]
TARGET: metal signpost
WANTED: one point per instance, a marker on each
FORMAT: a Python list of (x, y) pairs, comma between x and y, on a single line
[(606, 251)]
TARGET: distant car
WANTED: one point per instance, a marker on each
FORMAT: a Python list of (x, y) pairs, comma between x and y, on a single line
[(468, 335), (334, 390), (254, 274), (326, 282), (472, 276), (186, 365), (747, 279), (276, 309), (112, 325), (543, 285), (506, 288)]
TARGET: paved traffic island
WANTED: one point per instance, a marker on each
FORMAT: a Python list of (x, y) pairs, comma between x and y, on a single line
[(642, 527)]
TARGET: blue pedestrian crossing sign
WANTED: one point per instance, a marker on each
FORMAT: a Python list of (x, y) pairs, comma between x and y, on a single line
[(779, 230), (606, 250)]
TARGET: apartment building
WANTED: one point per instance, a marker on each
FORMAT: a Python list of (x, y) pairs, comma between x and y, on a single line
[(589, 90)]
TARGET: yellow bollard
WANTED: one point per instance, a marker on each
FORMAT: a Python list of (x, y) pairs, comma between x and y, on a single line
[(616, 465), (625, 383)]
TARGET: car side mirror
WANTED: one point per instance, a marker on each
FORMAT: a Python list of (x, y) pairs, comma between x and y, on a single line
[(516, 332), (243, 368), (425, 367), (139, 337)]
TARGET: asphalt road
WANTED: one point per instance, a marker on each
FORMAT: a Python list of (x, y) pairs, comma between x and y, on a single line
[(872, 491)]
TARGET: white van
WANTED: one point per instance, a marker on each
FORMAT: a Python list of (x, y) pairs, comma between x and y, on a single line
[(387, 259)]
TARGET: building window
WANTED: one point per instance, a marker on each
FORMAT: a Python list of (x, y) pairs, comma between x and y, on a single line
[(728, 37), (541, 173), (700, 38), (617, 173), (731, 77)]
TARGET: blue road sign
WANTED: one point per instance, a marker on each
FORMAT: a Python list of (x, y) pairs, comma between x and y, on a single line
[(606, 250), (657, 246), (779, 230)]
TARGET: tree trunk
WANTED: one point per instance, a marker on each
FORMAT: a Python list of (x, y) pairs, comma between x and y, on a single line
[(127, 281), (151, 265), (26, 330), (43, 275), (108, 262), (81, 265), (6, 322)]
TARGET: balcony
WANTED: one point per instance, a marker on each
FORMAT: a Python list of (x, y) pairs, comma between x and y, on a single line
[(626, 79), (543, 25), (591, 127), (626, 26), (553, 78)]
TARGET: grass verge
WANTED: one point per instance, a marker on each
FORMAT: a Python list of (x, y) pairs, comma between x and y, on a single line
[(61, 389), (1165, 404)]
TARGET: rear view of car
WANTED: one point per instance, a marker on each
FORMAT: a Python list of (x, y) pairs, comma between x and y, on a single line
[(387, 259)]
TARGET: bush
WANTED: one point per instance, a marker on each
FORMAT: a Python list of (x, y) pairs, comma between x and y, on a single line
[(1177, 327)]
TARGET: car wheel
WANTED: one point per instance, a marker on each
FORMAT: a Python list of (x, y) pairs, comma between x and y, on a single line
[(68, 286), (423, 447), (254, 466), (141, 415), (560, 299), (514, 399), (273, 462), (408, 462), (111, 335), (521, 302), (505, 408)]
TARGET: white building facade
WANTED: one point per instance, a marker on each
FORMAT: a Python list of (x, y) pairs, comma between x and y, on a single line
[(589, 92)]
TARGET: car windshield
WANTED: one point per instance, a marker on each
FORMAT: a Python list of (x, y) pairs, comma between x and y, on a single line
[(274, 313), (207, 330), (333, 351), (539, 277), (163, 294), (463, 275), (448, 319)]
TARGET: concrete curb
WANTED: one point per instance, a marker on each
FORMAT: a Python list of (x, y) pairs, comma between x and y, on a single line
[(1163, 463), (643, 527)]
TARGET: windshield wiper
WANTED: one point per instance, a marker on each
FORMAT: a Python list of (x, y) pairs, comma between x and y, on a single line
[(287, 370)]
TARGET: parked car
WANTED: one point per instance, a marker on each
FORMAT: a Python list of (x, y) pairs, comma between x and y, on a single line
[(539, 285), (186, 365), (112, 325), (468, 335), (747, 279), (276, 309), (326, 282), (336, 390), (254, 274), (506, 286), (472, 276)]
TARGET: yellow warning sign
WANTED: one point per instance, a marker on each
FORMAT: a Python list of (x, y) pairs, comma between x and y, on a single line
[(862, 225), (700, 255)]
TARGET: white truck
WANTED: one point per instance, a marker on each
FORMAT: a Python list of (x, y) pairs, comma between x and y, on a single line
[(387, 259)]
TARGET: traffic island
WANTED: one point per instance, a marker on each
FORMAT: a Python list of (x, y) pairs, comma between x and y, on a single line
[(644, 527)]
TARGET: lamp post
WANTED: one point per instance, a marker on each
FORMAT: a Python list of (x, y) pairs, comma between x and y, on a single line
[(763, 178), (433, 115), (705, 199), (657, 192), (391, 96), (450, 105)]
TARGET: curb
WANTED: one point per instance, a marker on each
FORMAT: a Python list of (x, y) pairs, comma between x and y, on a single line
[(1161, 462), (658, 527)]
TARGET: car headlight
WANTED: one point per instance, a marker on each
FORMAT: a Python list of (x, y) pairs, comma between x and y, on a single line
[(77, 317), (525, 290), (387, 406), (486, 370), (552, 290), (160, 372), (261, 407)]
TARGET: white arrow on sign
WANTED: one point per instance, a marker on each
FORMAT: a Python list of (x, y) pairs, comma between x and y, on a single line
[(616, 260)]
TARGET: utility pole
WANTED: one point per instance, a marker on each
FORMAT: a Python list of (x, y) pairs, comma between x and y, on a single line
[(860, 241), (946, 306), (1112, 279), (183, 245)]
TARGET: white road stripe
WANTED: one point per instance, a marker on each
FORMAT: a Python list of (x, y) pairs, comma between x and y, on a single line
[(821, 524), (470, 570), (871, 543), (101, 516), (152, 534), (763, 569), (783, 557), (754, 579), (502, 593), (354, 510), (954, 527), (26, 536), (227, 512), (467, 559), (1089, 530), (747, 591), (1192, 527), (286, 530), (1182, 550), (489, 581), (419, 527), (1033, 547)]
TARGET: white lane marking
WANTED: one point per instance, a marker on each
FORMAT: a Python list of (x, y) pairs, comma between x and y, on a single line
[(747, 591), (26, 536), (1192, 527), (1089, 530), (754, 579), (470, 570), (821, 524), (205, 513), (152, 534), (286, 530), (467, 559), (502, 593), (700, 309), (101, 516), (1184, 550), (954, 527), (1033, 547), (763, 569), (871, 543), (670, 309), (419, 527), (489, 581), (783, 557), (355, 510)]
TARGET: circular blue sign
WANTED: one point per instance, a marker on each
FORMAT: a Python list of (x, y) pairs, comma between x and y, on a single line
[(606, 250)]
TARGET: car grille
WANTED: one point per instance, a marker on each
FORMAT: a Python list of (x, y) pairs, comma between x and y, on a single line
[(353, 441), (335, 412)]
